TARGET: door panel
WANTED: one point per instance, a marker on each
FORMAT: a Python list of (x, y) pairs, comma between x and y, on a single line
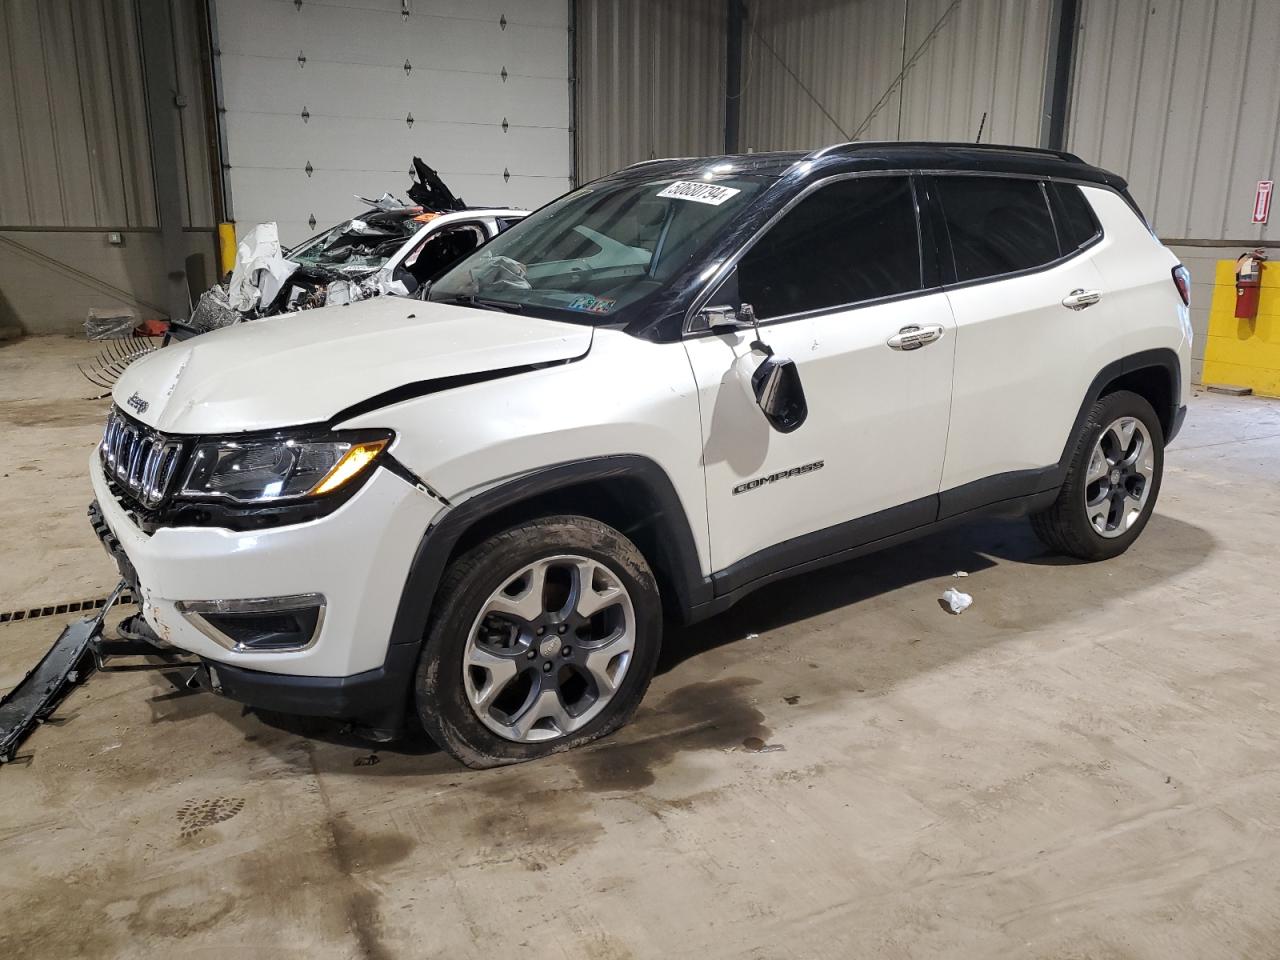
[(877, 423), (1029, 324)]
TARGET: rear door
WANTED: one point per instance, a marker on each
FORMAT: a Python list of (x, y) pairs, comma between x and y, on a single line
[(1030, 308), (833, 283)]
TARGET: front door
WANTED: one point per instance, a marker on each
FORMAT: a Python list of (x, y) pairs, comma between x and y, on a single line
[(834, 283)]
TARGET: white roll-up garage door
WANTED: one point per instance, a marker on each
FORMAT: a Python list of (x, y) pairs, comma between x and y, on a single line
[(327, 99)]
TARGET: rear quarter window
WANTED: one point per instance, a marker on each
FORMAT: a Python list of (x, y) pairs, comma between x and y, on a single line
[(997, 225), (1077, 225)]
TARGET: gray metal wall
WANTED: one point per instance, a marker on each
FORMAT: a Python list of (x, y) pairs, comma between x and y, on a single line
[(824, 71), (76, 161), (1181, 97), (650, 81)]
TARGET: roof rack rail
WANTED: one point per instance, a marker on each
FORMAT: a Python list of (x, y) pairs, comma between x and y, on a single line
[(1007, 147), (641, 163)]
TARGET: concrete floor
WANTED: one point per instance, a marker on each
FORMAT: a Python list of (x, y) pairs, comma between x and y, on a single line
[(1081, 765)]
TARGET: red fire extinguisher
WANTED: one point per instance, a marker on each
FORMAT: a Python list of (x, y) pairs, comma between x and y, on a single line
[(1248, 283)]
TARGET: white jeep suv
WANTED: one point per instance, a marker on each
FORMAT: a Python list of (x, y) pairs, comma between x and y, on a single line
[(652, 396)]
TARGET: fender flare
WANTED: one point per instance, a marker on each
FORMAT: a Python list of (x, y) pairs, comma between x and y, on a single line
[(677, 545), (1162, 358)]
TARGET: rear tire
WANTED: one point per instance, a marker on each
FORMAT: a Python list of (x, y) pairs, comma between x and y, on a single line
[(1113, 480), (543, 637)]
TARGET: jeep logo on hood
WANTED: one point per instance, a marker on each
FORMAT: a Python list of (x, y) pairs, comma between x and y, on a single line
[(137, 403)]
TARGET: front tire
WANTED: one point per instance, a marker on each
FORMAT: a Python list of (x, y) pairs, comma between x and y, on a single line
[(543, 637), (1113, 480)]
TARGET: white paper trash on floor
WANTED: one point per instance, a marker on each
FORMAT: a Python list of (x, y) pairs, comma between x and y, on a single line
[(956, 601)]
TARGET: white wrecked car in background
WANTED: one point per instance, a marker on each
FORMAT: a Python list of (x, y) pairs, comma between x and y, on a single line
[(394, 247)]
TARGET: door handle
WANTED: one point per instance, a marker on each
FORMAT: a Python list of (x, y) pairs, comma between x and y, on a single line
[(1080, 298), (914, 336)]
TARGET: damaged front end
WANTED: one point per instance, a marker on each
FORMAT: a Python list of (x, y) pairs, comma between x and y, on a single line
[(345, 264)]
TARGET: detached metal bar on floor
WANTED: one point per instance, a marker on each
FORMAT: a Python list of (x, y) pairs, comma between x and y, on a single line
[(42, 689)]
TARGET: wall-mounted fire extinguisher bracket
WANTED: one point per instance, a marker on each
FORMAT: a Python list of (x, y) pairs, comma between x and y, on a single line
[(1249, 268)]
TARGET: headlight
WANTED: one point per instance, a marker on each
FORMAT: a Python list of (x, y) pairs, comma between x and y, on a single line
[(278, 468)]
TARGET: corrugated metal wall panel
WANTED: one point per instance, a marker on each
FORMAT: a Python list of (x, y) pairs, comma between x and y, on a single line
[(962, 58), (988, 56), (1171, 95), (73, 107), (194, 132), (846, 55), (358, 97), (650, 81)]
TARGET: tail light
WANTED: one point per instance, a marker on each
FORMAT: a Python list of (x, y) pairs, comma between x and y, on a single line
[(1182, 280)]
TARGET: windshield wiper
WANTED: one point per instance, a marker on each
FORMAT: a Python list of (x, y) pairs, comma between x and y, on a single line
[(470, 300)]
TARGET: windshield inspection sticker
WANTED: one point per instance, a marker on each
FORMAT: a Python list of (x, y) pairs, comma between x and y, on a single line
[(591, 304), (699, 192)]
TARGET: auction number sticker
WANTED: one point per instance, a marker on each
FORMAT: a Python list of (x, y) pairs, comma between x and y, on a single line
[(699, 192)]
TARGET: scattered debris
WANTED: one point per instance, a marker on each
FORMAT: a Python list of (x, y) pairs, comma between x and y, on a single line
[(213, 310), (114, 358), (756, 745), (751, 636), (429, 191), (1229, 389), (961, 573), (369, 761), (793, 699), (955, 601), (110, 323), (260, 270)]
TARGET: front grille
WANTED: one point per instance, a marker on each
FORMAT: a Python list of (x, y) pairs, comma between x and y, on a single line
[(142, 462)]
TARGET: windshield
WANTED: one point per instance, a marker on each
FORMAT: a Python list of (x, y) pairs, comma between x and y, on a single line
[(600, 248), (363, 244)]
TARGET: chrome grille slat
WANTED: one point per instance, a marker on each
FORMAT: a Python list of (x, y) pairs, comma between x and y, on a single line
[(143, 462)]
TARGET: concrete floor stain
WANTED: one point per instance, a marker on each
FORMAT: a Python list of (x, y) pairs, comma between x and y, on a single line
[(714, 715)]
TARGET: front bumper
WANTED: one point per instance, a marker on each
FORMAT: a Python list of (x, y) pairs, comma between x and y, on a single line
[(357, 557), (375, 698)]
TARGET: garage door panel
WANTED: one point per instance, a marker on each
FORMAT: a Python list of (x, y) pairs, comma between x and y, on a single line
[(357, 98), (339, 34), (254, 85), (451, 148)]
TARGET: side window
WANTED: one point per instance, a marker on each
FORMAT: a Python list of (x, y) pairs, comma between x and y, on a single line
[(1073, 215), (442, 250), (997, 225), (851, 241)]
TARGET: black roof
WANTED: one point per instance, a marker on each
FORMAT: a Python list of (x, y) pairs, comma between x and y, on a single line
[(888, 155)]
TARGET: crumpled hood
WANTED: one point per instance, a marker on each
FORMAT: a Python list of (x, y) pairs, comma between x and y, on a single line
[(306, 367)]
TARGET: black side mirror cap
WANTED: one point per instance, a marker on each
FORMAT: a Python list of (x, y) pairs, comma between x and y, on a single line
[(779, 393)]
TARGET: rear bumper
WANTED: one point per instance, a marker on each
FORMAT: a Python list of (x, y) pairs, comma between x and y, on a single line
[(375, 699)]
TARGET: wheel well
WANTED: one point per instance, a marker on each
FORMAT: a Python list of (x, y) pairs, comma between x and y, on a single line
[(1153, 384), (624, 503)]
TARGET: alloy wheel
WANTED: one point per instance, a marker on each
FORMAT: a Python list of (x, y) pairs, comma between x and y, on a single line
[(549, 649), (1118, 481)]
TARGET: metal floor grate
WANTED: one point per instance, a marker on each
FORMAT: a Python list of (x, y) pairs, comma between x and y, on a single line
[(57, 609)]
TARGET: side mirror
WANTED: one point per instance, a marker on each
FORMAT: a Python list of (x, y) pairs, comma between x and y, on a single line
[(776, 384)]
